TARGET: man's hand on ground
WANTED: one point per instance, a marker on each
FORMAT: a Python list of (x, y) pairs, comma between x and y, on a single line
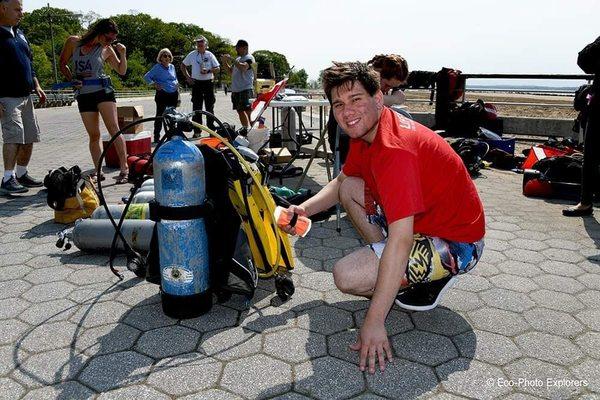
[(372, 343)]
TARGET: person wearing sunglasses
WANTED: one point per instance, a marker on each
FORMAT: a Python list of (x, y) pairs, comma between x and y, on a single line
[(164, 79), (82, 61)]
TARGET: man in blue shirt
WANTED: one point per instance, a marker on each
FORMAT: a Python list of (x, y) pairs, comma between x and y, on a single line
[(19, 125)]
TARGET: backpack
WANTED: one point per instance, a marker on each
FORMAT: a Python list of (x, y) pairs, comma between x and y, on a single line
[(70, 196), (453, 81), (589, 58), (470, 151), (554, 177)]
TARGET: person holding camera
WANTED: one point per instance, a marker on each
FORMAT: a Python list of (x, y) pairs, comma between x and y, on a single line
[(162, 75), (242, 81), (204, 66), (94, 91)]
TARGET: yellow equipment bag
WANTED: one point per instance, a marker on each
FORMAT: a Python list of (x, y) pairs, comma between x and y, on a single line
[(82, 205)]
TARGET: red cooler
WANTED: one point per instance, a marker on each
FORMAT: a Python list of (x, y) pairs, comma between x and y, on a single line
[(138, 143)]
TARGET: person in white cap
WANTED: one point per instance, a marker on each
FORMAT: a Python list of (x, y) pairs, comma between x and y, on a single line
[(204, 66)]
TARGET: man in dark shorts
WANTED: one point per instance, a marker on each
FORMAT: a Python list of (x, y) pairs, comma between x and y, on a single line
[(242, 81), (410, 198), (19, 125)]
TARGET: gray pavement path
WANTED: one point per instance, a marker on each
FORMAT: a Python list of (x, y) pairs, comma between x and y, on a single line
[(524, 324)]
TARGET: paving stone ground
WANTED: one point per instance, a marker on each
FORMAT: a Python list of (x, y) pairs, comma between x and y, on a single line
[(524, 324)]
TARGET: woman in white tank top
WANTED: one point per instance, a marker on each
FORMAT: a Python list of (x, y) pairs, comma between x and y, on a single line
[(95, 95)]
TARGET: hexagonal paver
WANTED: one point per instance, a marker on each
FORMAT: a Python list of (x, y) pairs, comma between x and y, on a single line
[(589, 342), (218, 317), (506, 299), (325, 320), (528, 256), (92, 315), (194, 374), (504, 226), (338, 345), (49, 311), (66, 390), (168, 341), (133, 392), (502, 322), (50, 336), (591, 281), (549, 348), (328, 378), (212, 394), (527, 244), (295, 345), (13, 272), (424, 347), (402, 379), (500, 235), (493, 256), (558, 283), (555, 322), (48, 291), (269, 319), (110, 338), (569, 256), (534, 375), (322, 281), (15, 258), (45, 275), (115, 370), (10, 289), (460, 300), (397, 321), (487, 347), (246, 377), (230, 343), (50, 367), (441, 321), (514, 283), (323, 253), (471, 378), (345, 301), (472, 283), (12, 307), (10, 389), (555, 267), (495, 244), (588, 373), (556, 301), (591, 298), (139, 295), (590, 318), (519, 268), (148, 317)]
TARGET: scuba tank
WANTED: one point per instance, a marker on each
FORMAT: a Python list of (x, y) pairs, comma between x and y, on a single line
[(97, 234), (135, 211), (179, 210)]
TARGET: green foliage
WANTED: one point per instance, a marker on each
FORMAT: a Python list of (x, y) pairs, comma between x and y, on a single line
[(264, 58), (298, 79), (144, 36), (42, 66)]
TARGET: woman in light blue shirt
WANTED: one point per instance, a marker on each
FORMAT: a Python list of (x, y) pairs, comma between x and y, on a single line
[(163, 77)]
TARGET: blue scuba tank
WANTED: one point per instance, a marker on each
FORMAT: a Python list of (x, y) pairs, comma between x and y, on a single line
[(182, 241)]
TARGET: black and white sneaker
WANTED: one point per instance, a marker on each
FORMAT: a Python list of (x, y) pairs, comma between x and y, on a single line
[(424, 296), (12, 186), (27, 181)]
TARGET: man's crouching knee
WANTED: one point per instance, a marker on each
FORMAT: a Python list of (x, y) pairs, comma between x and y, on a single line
[(351, 190), (341, 278)]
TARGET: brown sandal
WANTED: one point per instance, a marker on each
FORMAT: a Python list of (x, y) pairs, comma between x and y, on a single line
[(94, 177), (122, 178)]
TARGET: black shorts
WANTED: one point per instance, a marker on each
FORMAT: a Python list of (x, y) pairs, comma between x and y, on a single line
[(241, 100), (88, 102)]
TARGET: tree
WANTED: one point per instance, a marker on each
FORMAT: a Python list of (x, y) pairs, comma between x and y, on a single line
[(264, 58), (298, 79), (42, 66)]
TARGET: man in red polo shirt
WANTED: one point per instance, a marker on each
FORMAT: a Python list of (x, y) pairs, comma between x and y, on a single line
[(409, 196)]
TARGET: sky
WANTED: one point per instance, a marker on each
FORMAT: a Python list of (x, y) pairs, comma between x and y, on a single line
[(475, 36)]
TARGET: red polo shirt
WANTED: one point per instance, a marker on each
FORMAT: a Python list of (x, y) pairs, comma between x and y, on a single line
[(411, 170)]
